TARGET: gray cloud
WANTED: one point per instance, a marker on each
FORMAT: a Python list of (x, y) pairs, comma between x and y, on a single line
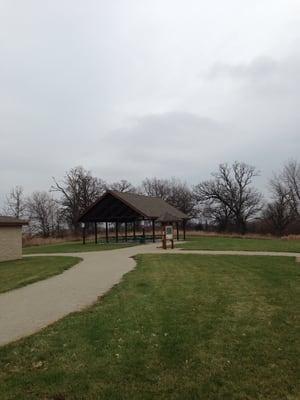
[(131, 88), (261, 68)]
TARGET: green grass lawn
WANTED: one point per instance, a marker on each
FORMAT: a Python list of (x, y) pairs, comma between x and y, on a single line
[(228, 243), (15, 274), (177, 327), (74, 247)]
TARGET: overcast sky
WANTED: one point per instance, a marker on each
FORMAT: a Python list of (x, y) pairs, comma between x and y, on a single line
[(136, 88)]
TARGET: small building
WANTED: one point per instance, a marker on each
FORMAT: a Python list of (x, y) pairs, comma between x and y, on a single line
[(129, 210), (11, 238)]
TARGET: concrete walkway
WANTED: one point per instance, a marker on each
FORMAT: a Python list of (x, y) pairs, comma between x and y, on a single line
[(26, 310)]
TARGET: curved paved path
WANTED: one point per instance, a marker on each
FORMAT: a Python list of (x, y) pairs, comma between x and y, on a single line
[(26, 310)]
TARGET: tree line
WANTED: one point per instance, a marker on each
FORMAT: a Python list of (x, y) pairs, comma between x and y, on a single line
[(228, 201)]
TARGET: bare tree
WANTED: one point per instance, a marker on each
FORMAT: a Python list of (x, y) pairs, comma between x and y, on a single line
[(15, 203), (43, 212), (173, 191), (122, 186), (290, 178), (78, 190), (181, 197), (218, 215), (156, 187), (231, 190), (280, 212)]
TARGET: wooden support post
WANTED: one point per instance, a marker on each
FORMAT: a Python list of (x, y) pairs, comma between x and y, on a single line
[(143, 229), (177, 231), (153, 231), (106, 232), (117, 232), (96, 233), (125, 231), (83, 234), (164, 241), (134, 236), (183, 229)]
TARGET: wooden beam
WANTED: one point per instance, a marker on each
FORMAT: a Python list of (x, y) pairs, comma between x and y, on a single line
[(96, 233), (164, 241), (111, 209), (183, 229), (106, 232), (125, 231), (134, 236), (153, 231), (143, 229), (177, 230), (83, 234), (117, 232)]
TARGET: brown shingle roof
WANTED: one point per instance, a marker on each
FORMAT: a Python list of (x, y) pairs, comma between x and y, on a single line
[(11, 221), (147, 207), (152, 207), (167, 217)]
